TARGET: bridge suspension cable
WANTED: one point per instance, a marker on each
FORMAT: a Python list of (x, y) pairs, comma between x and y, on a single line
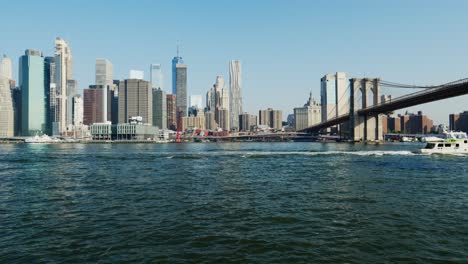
[(408, 86)]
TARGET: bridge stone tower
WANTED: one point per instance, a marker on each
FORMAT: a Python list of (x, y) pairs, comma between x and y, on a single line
[(367, 127)]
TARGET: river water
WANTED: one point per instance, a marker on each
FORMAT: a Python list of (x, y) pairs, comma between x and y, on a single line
[(231, 203)]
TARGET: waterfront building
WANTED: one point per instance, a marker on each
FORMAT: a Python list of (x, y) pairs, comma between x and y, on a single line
[(159, 108), (33, 93), (193, 122), (136, 74), (135, 99), (7, 117), (235, 88), (416, 123), (171, 111), (63, 72), (6, 69), (17, 106), (126, 131), (271, 118), (459, 122), (247, 122), (156, 77), (308, 115)]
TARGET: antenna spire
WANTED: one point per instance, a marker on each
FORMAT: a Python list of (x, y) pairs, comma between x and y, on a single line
[(177, 48)]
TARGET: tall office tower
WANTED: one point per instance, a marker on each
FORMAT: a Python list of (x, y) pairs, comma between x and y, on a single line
[(93, 104), (104, 79), (235, 89), (63, 72), (156, 76), (159, 108), (7, 116), (33, 93), (77, 110), (51, 95), (16, 97), (104, 72), (72, 86), (113, 114), (196, 101), (308, 115), (179, 83), (171, 111), (333, 94), (6, 68), (135, 99)]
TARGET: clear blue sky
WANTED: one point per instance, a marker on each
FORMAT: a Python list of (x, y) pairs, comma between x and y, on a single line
[(285, 46)]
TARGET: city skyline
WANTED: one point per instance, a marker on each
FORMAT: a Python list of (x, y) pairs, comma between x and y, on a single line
[(283, 55)]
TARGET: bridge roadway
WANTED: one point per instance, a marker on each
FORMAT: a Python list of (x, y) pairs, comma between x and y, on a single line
[(428, 95)]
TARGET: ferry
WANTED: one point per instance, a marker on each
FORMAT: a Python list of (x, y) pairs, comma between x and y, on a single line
[(44, 139), (452, 143)]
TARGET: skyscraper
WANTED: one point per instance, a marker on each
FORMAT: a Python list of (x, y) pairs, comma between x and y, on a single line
[(33, 93), (271, 118), (171, 111), (93, 104), (6, 68), (51, 95), (63, 72), (6, 109), (156, 76), (235, 89), (179, 83), (135, 99), (104, 72), (159, 108), (72, 86), (104, 79)]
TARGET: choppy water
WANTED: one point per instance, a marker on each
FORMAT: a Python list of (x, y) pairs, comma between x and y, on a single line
[(231, 203)]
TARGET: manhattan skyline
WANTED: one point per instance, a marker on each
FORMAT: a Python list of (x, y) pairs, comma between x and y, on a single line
[(405, 42)]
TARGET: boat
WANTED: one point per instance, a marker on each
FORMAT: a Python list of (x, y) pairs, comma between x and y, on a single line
[(452, 143), (44, 139)]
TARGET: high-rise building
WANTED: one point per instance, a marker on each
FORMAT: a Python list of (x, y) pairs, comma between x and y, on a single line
[(6, 71), (235, 88), (171, 111), (223, 119), (271, 118), (193, 122), (196, 101), (159, 108), (33, 93), (72, 87), (459, 122), (77, 110), (93, 104), (176, 60), (308, 115), (104, 72), (181, 88), (63, 72), (210, 122), (416, 123), (17, 106), (156, 76), (51, 96), (135, 99), (247, 122), (136, 74), (7, 117)]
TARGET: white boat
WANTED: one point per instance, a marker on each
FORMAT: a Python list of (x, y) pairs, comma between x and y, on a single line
[(44, 139), (453, 143)]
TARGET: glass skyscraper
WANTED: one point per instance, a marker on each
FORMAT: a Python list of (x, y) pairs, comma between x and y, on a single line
[(176, 60), (32, 83)]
